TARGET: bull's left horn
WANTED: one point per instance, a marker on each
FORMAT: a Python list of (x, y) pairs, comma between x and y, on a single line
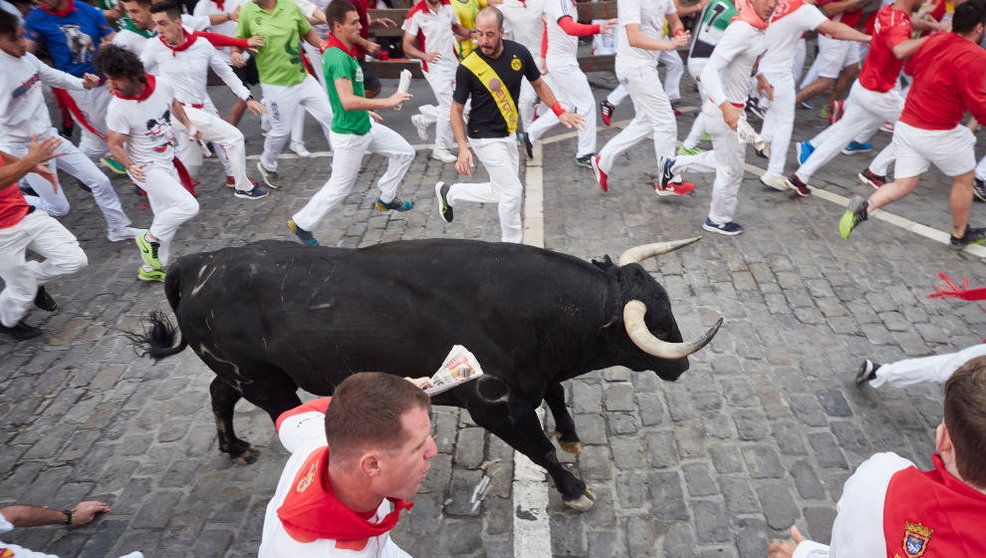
[(633, 317), (640, 253)]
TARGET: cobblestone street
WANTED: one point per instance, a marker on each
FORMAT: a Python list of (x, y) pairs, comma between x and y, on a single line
[(760, 433)]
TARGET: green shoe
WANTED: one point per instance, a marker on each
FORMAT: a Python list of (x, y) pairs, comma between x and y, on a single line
[(152, 275), (693, 151), (855, 214), (396, 204), (706, 137), (113, 165), (148, 251)]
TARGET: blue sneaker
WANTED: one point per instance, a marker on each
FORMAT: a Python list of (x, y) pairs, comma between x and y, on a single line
[(667, 174), (807, 105), (303, 235), (728, 229), (804, 150), (396, 204), (856, 147)]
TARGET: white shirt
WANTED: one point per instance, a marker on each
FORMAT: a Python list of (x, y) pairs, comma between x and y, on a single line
[(785, 30), (17, 551), (437, 30), (563, 49), (525, 22), (206, 8), (134, 42), (188, 70), (23, 111), (302, 434), (147, 124), (650, 15), (726, 77), (858, 528)]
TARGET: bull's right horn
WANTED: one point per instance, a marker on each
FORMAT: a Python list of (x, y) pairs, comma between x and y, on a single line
[(640, 253), (633, 317)]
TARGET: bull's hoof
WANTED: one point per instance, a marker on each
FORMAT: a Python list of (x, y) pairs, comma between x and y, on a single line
[(569, 447), (246, 457), (583, 502)]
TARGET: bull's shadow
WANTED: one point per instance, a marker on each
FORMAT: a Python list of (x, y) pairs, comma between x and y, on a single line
[(273, 316)]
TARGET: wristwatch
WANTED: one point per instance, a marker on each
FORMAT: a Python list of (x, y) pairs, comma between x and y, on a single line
[(68, 516)]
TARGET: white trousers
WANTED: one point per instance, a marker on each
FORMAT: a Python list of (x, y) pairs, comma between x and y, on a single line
[(284, 103), (43, 235), (698, 125), (526, 103), (92, 103), (617, 95), (573, 91), (441, 78), (936, 369), (778, 122), (726, 160), (76, 164), (217, 130), (865, 112), (501, 159), (170, 202), (347, 157), (674, 68), (654, 116)]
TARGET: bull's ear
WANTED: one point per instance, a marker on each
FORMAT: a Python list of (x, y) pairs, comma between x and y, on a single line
[(604, 264)]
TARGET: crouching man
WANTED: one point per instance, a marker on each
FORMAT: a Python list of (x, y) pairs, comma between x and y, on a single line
[(356, 458)]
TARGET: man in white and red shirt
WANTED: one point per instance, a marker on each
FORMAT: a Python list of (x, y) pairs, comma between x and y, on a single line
[(874, 97), (562, 31), (726, 81), (641, 26), (24, 115), (184, 59), (23, 228), (429, 30), (142, 139), (891, 508), (789, 22), (948, 71), (356, 458)]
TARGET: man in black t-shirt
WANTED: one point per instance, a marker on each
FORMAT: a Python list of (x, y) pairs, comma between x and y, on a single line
[(491, 75)]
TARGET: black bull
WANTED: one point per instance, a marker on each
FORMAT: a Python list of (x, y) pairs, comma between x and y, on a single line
[(271, 317)]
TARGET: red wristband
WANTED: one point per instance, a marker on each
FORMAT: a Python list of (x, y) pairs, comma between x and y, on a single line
[(557, 109), (678, 32)]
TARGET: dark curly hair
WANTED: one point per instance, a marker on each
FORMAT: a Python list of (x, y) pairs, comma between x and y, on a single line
[(115, 62), (8, 24)]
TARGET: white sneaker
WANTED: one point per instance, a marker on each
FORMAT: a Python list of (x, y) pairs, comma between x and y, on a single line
[(124, 233), (443, 155), (299, 149), (773, 181), (419, 124)]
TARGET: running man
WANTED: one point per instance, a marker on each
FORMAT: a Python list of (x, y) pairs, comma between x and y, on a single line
[(352, 131), (491, 77), (142, 139), (948, 71)]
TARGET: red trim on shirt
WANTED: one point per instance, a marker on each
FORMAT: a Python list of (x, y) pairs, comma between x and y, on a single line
[(572, 27), (334, 42), (220, 40), (318, 406), (189, 41)]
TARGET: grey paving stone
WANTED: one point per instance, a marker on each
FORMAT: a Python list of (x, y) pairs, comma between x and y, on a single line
[(778, 504), (763, 462)]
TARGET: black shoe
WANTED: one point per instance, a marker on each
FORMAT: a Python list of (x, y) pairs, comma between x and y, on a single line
[(21, 331), (867, 372), (971, 236), (444, 209), (584, 161), (795, 184), (979, 190), (44, 301), (528, 146)]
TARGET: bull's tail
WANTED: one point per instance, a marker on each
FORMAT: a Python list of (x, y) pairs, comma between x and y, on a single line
[(160, 335), (158, 339)]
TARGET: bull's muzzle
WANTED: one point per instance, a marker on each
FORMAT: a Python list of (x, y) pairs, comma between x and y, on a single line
[(633, 318)]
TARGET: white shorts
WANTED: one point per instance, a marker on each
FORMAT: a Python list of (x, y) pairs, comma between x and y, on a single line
[(952, 151), (833, 55)]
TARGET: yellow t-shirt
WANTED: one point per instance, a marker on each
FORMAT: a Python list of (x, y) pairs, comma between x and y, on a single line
[(466, 10)]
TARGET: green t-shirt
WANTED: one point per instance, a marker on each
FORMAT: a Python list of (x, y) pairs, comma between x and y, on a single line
[(337, 63), (279, 60)]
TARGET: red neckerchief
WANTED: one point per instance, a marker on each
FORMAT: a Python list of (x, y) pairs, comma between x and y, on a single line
[(68, 9), (219, 4), (334, 42), (749, 15), (189, 41), (143, 95), (311, 511)]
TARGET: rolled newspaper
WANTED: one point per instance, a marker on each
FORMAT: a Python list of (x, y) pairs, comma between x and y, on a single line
[(404, 84), (747, 134), (460, 366)]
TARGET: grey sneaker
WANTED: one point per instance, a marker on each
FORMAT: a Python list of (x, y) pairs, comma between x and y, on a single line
[(271, 178), (867, 372), (979, 190)]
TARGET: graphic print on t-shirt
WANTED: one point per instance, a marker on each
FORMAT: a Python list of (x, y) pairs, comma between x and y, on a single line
[(79, 43), (161, 127)]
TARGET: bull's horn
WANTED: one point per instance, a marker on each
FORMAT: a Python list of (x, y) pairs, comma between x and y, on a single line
[(633, 317), (640, 253)]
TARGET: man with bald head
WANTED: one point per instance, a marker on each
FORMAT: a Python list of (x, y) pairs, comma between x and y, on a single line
[(491, 75)]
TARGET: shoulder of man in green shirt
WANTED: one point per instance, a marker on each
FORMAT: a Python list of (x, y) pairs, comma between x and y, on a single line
[(337, 64)]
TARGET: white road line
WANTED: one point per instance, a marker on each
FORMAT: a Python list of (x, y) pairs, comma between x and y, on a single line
[(532, 530)]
